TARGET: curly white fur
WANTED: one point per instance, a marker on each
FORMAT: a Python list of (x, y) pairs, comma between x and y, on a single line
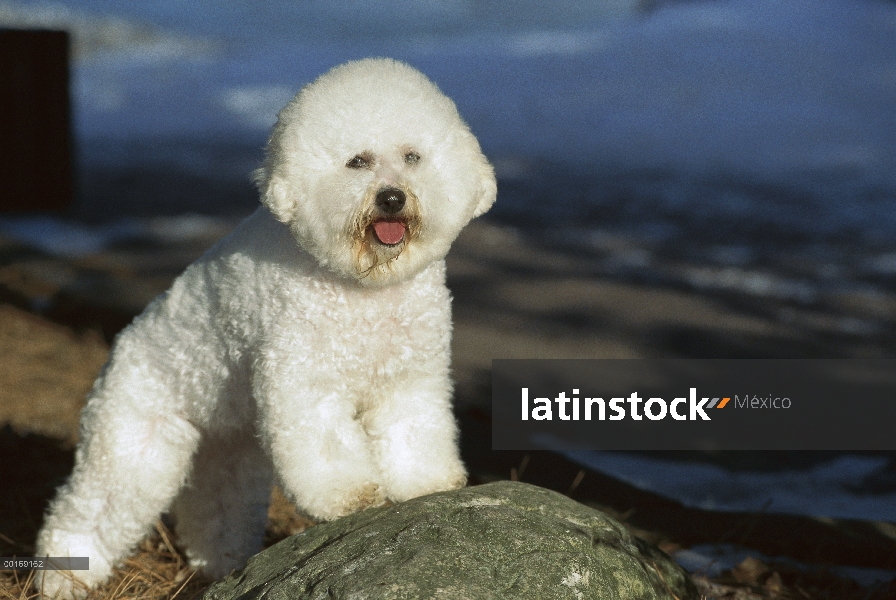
[(300, 349)]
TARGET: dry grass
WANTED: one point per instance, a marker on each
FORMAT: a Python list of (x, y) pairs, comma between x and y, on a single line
[(158, 570), (46, 372)]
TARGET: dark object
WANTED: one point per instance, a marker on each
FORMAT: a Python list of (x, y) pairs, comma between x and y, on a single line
[(35, 121)]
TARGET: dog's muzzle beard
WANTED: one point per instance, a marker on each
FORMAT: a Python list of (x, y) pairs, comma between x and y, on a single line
[(388, 222)]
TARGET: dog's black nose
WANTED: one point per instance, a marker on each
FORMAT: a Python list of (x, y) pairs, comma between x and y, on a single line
[(390, 201)]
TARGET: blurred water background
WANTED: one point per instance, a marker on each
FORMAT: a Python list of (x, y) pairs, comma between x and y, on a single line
[(739, 133), (755, 138)]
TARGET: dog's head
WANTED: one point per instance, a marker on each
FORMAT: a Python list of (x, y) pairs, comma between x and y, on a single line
[(374, 171)]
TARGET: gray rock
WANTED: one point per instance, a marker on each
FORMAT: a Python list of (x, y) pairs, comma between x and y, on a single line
[(501, 540)]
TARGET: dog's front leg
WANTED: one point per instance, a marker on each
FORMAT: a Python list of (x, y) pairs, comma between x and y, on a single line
[(129, 466), (415, 439), (320, 452)]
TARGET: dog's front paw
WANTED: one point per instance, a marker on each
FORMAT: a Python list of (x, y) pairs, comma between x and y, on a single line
[(339, 504), (450, 477), (459, 481), (367, 496)]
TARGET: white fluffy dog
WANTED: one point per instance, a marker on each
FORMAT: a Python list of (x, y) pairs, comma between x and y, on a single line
[(310, 347)]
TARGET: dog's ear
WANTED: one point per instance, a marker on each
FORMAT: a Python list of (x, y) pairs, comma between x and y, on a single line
[(488, 187), (275, 195)]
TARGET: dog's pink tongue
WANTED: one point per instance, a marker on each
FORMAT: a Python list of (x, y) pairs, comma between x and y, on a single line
[(389, 232)]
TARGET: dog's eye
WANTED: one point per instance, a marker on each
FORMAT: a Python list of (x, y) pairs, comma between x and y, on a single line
[(358, 162), (412, 158)]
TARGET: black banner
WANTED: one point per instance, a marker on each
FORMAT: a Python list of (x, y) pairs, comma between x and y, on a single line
[(694, 404)]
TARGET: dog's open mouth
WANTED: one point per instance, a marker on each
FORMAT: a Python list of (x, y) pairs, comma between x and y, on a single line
[(389, 231)]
